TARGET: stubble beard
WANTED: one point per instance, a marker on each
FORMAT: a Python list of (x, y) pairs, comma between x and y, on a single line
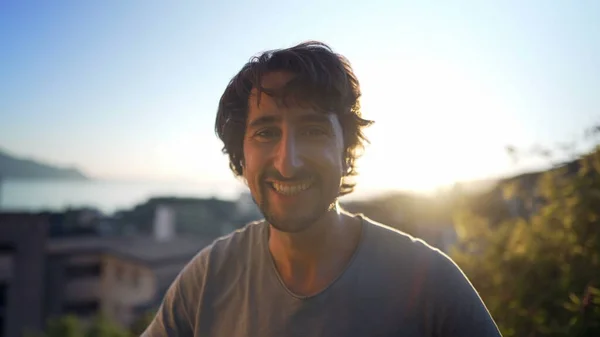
[(297, 225)]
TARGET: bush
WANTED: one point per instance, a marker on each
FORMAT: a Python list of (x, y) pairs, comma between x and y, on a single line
[(539, 272)]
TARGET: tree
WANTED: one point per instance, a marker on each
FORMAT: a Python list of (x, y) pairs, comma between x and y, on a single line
[(65, 326), (142, 322), (71, 326), (539, 272), (103, 327)]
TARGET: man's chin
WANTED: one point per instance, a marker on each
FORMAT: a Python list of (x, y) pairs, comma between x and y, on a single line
[(294, 224), (290, 227)]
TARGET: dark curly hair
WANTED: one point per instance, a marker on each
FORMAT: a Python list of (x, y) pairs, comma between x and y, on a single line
[(322, 80)]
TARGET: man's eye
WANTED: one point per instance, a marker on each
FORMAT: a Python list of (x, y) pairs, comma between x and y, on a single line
[(266, 134), (315, 132)]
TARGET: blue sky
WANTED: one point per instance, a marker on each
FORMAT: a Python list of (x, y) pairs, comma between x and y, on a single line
[(129, 89)]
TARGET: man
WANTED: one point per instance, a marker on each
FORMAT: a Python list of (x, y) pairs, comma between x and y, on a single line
[(291, 125)]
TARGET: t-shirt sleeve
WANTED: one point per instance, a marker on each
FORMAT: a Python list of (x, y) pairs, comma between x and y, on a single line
[(176, 316), (458, 309)]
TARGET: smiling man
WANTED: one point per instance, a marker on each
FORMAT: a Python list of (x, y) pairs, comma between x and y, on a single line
[(291, 124)]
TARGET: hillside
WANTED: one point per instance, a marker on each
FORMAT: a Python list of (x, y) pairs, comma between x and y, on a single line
[(21, 168)]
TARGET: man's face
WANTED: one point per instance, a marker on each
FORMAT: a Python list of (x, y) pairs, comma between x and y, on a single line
[(293, 159)]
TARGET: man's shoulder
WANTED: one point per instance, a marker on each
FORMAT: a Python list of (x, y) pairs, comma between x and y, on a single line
[(250, 234), (399, 248), (410, 255), (395, 239), (438, 287), (232, 246)]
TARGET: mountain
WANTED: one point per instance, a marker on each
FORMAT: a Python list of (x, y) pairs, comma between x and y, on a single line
[(22, 168)]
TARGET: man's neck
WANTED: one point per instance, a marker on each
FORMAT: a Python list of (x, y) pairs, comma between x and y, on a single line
[(310, 260)]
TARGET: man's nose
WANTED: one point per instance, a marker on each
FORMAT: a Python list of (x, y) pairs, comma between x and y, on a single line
[(288, 159)]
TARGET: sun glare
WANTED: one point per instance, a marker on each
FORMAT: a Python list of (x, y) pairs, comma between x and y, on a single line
[(433, 126)]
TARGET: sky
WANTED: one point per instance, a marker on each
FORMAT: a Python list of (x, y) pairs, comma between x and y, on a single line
[(129, 89)]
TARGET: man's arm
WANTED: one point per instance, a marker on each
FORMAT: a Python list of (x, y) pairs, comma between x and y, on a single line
[(176, 316), (458, 310)]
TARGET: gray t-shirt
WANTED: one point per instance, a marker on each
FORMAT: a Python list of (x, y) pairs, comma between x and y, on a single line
[(395, 285)]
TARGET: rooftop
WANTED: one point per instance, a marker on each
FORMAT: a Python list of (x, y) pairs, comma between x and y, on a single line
[(145, 249)]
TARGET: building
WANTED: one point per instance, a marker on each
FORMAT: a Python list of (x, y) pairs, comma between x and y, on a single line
[(22, 262), (118, 276), (121, 276), (205, 217)]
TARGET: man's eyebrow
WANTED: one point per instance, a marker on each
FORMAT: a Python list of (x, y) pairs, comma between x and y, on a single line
[(264, 120), (314, 118), (273, 119)]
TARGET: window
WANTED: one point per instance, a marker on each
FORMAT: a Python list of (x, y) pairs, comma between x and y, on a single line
[(3, 295), (92, 270), (7, 248), (83, 308), (119, 273), (135, 278), (3, 300)]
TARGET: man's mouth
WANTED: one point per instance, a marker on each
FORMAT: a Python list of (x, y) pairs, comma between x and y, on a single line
[(291, 188)]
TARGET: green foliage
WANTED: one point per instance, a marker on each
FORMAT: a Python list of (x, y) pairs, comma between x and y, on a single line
[(103, 327), (142, 322), (67, 326), (539, 272), (71, 326)]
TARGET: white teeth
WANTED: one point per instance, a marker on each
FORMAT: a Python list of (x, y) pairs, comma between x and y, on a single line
[(287, 189)]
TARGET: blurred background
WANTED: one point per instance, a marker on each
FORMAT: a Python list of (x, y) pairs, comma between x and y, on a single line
[(112, 178)]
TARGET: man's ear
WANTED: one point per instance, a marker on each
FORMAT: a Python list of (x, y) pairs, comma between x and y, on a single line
[(243, 168), (242, 176), (345, 165)]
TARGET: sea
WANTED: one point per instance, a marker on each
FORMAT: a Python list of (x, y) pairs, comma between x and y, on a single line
[(107, 196)]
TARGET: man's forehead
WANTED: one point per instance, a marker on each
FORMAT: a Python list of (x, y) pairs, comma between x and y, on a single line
[(274, 109), (267, 103), (272, 81), (276, 114), (275, 79)]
